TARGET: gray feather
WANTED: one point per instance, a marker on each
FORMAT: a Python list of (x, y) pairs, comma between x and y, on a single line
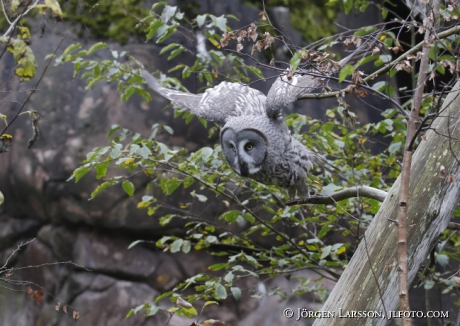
[(217, 104), (285, 90), (255, 139)]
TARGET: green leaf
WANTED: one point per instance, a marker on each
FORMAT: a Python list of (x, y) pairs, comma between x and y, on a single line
[(325, 229), (348, 4), (169, 185), (101, 187), (135, 243), (168, 13), (218, 267), (325, 252), (230, 216), (220, 22), (233, 17), (169, 47), (112, 130), (166, 219), (161, 3), (365, 30), (249, 218), (346, 71), (175, 53), (229, 277), (384, 13), (207, 303), (236, 292), (176, 245), (200, 20), (200, 197), (116, 151), (154, 26), (220, 292), (395, 147), (128, 187), (442, 259), (80, 172), (295, 61), (152, 311), (380, 86), (186, 246), (169, 31), (96, 47), (70, 49), (137, 309), (101, 169), (164, 295)]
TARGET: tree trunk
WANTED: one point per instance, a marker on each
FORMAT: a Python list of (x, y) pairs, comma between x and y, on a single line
[(432, 200)]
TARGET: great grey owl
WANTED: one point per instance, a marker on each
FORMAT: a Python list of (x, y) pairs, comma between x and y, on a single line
[(254, 137)]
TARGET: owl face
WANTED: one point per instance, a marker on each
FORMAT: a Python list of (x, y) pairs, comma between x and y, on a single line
[(244, 150)]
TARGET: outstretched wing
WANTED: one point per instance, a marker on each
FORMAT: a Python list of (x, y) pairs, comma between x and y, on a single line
[(216, 104), (285, 90)]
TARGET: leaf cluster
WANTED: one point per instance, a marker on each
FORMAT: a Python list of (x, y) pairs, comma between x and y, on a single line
[(254, 232)]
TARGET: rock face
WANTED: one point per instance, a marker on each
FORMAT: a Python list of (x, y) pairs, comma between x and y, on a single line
[(80, 246)]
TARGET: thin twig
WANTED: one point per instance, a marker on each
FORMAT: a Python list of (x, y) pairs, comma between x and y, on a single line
[(16, 21), (36, 86)]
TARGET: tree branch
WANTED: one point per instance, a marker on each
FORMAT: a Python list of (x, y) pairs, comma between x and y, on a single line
[(14, 23), (358, 191)]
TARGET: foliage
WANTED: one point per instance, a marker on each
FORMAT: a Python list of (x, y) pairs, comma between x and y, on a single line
[(106, 19), (317, 237), (312, 18)]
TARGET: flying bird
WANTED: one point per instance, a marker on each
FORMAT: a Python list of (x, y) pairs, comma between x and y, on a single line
[(255, 139)]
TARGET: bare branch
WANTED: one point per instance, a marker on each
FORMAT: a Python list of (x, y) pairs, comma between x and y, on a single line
[(16, 21), (453, 226), (36, 86), (358, 191)]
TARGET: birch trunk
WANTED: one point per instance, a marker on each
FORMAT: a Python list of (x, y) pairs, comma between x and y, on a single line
[(432, 200)]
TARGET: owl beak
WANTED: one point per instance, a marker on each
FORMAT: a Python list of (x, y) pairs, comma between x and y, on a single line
[(244, 169)]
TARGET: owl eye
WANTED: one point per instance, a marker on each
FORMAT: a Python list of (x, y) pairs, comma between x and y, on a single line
[(233, 148), (248, 147)]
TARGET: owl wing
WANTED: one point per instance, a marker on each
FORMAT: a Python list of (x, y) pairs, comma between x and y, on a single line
[(286, 90), (216, 104)]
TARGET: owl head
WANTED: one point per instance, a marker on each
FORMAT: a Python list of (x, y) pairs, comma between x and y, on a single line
[(245, 150)]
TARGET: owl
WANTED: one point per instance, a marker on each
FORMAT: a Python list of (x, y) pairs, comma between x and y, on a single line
[(254, 137)]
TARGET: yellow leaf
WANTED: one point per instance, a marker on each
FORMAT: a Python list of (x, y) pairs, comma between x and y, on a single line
[(55, 8), (24, 57), (14, 5), (172, 309), (214, 42), (143, 204), (41, 9), (212, 321), (128, 161), (24, 34), (341, 250)]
